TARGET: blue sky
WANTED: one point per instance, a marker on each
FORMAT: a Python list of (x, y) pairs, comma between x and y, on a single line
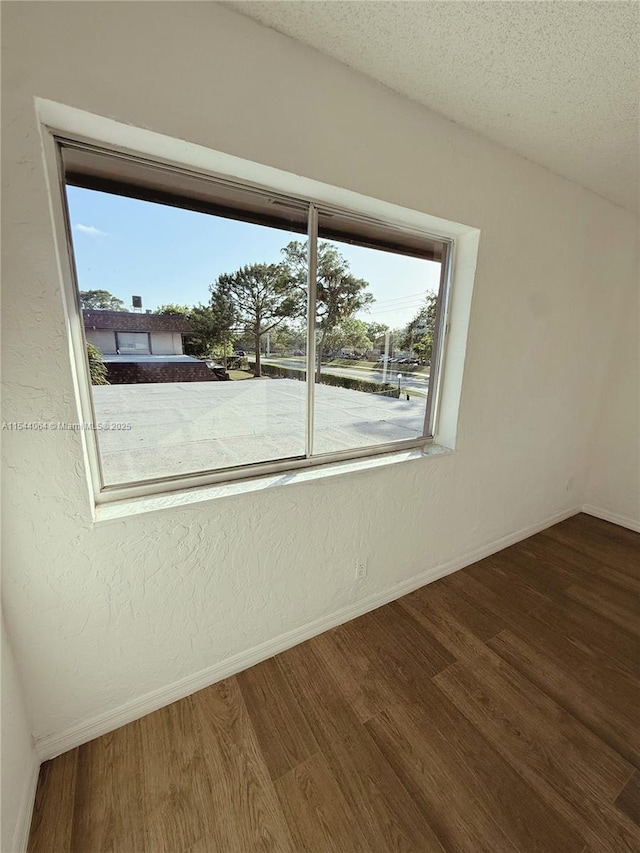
[(166, 254)]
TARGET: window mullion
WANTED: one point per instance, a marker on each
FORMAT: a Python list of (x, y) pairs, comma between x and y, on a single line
[(312, 265)]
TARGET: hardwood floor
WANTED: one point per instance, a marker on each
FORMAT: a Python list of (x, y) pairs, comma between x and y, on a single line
[(497, 710)]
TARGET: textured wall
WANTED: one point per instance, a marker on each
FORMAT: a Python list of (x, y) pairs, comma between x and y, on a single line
[(101, 614), (19, 761), (613, 490)]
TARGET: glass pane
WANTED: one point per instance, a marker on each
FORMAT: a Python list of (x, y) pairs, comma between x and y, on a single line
[(133, 342), (186, 317), (375, 324)]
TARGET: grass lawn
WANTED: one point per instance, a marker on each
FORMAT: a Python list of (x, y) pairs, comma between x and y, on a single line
[(240, 374)]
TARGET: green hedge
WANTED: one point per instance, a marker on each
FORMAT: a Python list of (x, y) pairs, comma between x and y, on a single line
[(97, 368), (351, 382)]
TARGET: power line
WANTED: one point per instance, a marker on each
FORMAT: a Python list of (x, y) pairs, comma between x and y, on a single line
[(395, 309), (411, 296)]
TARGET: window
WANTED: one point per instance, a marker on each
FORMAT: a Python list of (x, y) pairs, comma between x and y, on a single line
[(243, 331), (132, 342)]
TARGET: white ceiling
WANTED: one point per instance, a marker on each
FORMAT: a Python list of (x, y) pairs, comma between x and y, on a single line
[(556, 81)]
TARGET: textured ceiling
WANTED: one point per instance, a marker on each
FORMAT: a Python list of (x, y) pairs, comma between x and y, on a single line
[(557, 81)]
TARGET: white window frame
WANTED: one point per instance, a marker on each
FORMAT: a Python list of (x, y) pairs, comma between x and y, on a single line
[(133, 350), (59, 122)]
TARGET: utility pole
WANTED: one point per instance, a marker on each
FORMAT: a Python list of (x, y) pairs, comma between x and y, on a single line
[(385, 361)]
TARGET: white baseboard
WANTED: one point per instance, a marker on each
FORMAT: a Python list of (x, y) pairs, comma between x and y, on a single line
[(23, 822), (52, 745), (613, 517)]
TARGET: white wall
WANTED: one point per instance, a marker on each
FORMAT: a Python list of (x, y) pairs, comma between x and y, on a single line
[(166, 343), (613, 490), (19, 762), (101, 614), (105, 341), (162, 343)]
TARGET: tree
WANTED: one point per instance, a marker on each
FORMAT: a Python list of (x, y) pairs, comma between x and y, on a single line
[(376, 331), (349, 333), (222, 317), (279, 339), (339, 294), (260, 296), (211, 325), (97, 367), (172, 308), (100, 300), (418, 336)]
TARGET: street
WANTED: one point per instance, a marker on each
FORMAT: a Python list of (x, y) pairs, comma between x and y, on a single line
[(410, 381)]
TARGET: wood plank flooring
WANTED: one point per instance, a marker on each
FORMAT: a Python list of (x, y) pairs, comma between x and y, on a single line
[(496, 710)]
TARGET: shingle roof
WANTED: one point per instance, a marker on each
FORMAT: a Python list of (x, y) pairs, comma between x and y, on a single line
[(127, 321)]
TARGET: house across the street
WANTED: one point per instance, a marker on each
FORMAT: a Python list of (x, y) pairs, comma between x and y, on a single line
[(144, 347)]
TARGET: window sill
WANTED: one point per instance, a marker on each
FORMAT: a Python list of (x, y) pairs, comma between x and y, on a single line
[(126, 508)]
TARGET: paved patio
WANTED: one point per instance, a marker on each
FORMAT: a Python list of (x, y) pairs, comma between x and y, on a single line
[(183, 427)]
